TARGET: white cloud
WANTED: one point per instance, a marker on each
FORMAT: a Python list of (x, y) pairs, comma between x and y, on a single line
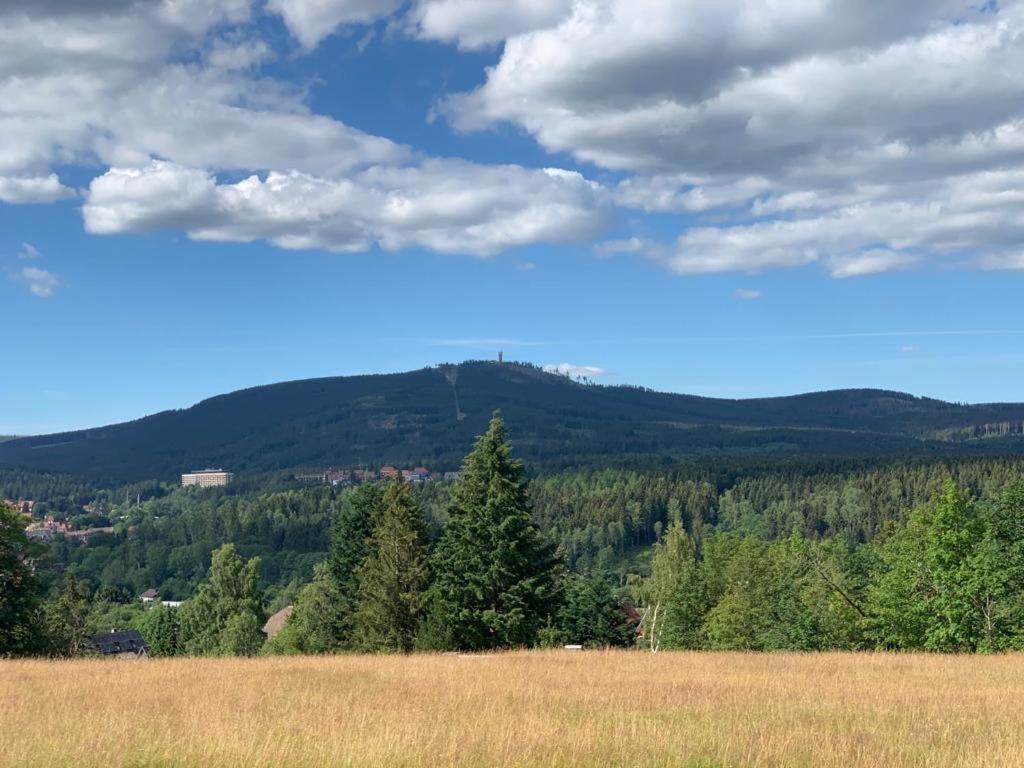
[(746, 294), (852, 136), (310, 21), (908, 349), (870, 262), (478, 23), (576, 371), (115, 88), (28, 251), (40, 282), (789, 134), (32, 189), (446, 206)]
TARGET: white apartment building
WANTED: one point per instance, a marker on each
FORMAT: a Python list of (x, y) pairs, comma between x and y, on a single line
[(207, 478)]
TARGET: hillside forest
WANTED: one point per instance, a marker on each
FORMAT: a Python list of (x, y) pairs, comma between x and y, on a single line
[(801, 554)]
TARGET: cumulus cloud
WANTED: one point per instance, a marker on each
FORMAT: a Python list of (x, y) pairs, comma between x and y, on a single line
[(447, 206), (32, 189), (851, 136), (788, 134), (310, 21), (40, 282), (574, 371), (110, 88), (478, 23), (746, 294)]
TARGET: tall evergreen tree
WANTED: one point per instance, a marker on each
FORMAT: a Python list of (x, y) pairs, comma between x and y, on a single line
[(590, 614), (394, 578), (351, 545), (495, 583)]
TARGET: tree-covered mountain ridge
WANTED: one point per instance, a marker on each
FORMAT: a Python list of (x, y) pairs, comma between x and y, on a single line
[(430, 416)]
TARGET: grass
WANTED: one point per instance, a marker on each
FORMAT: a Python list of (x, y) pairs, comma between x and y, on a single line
[(519, 709)]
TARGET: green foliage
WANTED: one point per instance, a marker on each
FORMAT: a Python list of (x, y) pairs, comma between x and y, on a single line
[(590, 614), (394, 577), (160, 627), (952, 579), (495, 583), (67, 618), (312, 626), (20, 590), (352, 543), (431, 415), (226, 614)]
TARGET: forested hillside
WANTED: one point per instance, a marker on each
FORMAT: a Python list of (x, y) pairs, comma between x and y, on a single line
[(604, 519), (782, 554), (430, 417)]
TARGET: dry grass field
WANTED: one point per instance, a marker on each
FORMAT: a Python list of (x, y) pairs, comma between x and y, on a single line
[(518, 709)]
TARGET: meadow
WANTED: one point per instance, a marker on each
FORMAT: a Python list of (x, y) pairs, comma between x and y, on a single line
[(539, 708)]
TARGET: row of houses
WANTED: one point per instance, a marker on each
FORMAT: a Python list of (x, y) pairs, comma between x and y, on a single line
[(345, 477), (45, 530), (24, 506)]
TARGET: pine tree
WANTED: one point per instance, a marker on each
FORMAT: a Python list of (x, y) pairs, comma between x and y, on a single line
[(394, 578), (350, 547), (495, 584), (590, 614)]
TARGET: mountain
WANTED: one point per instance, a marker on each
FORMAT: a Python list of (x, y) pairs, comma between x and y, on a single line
[(431, 416)]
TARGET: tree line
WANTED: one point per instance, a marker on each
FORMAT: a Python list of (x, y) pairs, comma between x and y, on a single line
[(910, 555)]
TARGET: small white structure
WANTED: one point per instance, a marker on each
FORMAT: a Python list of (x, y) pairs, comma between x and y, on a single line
[(206, 478)]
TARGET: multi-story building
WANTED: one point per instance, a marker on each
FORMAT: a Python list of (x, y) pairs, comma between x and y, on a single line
[(207, 478)]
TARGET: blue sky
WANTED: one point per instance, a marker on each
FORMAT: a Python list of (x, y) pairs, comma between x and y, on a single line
[(292, 189)]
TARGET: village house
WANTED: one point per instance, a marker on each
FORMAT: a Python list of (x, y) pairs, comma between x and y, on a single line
[(127, 643)]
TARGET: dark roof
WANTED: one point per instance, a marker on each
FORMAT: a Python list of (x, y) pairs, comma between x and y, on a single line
[(149, 593), (124, 641)]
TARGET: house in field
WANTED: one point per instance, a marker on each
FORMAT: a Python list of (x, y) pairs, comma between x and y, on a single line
[(149, 596), (126, 643), (276, 622)]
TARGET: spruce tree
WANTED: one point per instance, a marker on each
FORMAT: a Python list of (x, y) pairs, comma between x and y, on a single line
[(350, 547), (495, 584), (394, 578)]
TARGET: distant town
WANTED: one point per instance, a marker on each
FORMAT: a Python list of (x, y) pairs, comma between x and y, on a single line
[(44, 527), (346, 477)]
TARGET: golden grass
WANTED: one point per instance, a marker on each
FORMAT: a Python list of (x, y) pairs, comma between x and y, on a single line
[(519, 709)]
